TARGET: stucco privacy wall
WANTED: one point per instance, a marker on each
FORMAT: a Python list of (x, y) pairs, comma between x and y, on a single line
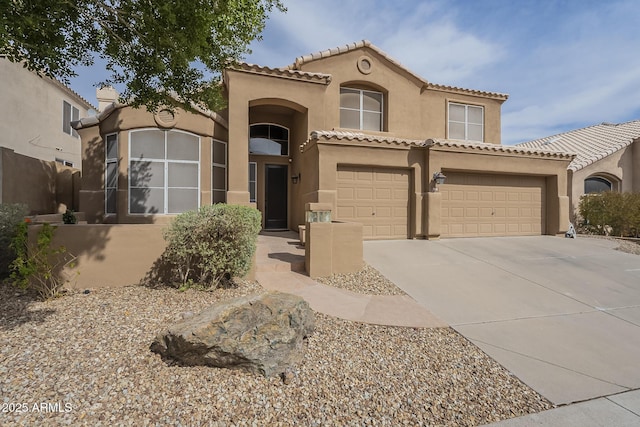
[(110, 255), (44, 186)]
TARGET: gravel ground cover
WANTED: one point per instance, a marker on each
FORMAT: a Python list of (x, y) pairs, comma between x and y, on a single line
[(86, 357), (368, 281), (628, 246)]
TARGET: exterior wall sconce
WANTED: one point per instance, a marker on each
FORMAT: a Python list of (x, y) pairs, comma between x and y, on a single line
[(438, 179), (295, 178)]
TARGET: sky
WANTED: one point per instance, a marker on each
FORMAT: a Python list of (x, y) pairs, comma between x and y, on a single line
[(566, 64)]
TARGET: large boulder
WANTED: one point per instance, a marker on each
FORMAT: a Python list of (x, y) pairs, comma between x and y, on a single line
[(262, 334)]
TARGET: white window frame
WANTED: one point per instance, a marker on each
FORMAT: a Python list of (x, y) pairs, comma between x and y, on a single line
[(276, 125), (107, 161), (253, 165), (226, 161), (362, 110), (166, 171), (466, 119), (73, 115), (64, 162)]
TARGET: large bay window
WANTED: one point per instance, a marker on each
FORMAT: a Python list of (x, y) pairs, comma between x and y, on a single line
[(164, 171), (361, 109), (466, 122)]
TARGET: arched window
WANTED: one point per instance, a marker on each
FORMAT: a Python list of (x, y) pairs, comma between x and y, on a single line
[(164, 171), (596, 184), (269, 139)]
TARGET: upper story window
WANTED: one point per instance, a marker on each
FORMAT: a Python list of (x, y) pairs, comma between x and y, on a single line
[(69, 114), (466, 122), (361, 109), (164, 171), (268, 139), (595, 184)]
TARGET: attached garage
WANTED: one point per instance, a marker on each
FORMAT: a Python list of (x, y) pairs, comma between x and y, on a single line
[(476, 205), (376, 197)]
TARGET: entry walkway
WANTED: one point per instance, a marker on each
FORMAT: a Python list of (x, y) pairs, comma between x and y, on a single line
[(280, 267)]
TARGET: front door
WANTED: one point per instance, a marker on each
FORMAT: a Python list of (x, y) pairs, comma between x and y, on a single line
[(275, 203)]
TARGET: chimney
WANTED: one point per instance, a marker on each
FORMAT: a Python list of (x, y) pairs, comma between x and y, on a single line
[(106, 96)]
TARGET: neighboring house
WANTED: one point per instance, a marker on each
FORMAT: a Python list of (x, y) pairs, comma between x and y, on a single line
[(36, 114), (349, 127), (607, 158), (40, 153)]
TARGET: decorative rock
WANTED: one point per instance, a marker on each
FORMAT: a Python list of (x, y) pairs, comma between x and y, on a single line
[(262, 334)]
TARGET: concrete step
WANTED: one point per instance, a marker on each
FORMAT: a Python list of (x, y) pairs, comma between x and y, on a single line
[(266, 266)]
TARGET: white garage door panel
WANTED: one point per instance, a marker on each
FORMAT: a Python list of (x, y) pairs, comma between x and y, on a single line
[(376, 197), (492, 205)]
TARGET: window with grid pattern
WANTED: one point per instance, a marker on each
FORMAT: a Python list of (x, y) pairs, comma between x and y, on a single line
[(466, 122), (164, 171), (361, 109)]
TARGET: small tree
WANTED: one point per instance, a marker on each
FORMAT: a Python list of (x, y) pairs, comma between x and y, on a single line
[(11, 215), (212, 244), (39, 266), (155, 49)]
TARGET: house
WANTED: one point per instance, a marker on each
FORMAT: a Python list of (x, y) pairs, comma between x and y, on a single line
[(348, 127), (40, 153), (607, 158), (37, 113)]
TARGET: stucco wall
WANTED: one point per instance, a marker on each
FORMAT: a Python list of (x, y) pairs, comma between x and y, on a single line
[(31, 111), (619, 168), (44, 186)]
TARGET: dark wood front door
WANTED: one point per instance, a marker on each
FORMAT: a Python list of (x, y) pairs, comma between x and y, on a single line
[(275, 213)]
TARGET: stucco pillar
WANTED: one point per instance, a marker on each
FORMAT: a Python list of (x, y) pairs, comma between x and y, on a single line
[(238, 161), (636, 162), (434, 207)]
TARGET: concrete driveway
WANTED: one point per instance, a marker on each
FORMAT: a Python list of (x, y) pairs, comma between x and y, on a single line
[(563, 315)]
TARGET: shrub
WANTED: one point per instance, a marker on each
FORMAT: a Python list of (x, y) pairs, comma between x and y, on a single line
[(610, 213), (212, 244), (39, 266), (69, 217), (11, 215)]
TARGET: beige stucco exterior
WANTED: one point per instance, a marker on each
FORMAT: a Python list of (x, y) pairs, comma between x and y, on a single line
[(32, 115), (382, 179), (622, 169)]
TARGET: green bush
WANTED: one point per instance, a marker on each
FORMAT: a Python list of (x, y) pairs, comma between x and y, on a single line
[(212, 244), (69, 217), (610, 213), (39, 266), (11, 215)]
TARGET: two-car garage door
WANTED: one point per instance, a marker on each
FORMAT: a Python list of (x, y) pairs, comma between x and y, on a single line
[(492, 205), (473, 204)]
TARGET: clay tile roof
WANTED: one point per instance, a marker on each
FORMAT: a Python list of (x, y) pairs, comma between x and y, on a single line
[(348, 48), (360, 137), (444, 88), (590, 144), (284, 73), (301, 60), (511, 149)]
